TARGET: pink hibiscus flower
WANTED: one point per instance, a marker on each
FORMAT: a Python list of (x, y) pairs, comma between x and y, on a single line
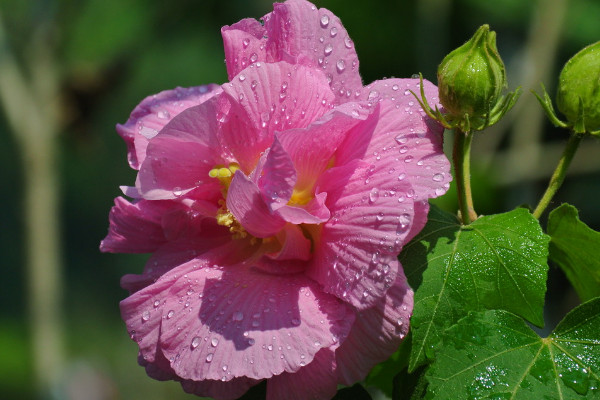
[(274, 207)]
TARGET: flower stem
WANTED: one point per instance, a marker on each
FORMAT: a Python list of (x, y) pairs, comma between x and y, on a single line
[(462, 173), (559, 174)]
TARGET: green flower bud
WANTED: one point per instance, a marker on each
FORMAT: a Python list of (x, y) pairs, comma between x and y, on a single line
[(471, 79), (578, 96)]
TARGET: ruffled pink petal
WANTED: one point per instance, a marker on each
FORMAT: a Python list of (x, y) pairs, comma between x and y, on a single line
[(216, 249), (160, 369), (376, 334), (154, 112), (277, 177), (317, 380), (244, 44), (355, 253), (404, 129), (291, 257), (135, 227), (246, 203), (299, 215), (222, 324), (219, 390), (298, 32), (266, 98), (181, 155), (312, 148)]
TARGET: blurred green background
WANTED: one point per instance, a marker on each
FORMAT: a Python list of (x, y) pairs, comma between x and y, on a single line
[(71, 69)]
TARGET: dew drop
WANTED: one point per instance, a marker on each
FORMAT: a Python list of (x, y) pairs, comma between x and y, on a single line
[(195, 342), (145, 315), (295, 321), (156, 303), (340, 65), (379, 217), (209, 357), (348, 42), (373, 195), (163, 114), (214, 342), (238, 316), (170, 314), (324, 21), (242, 77), (394, 87), (401, 139), (402, 176), (408, 159), (253, 57), (373, 95), (333, 31), (328, 49), (246, 42), (438, 177)]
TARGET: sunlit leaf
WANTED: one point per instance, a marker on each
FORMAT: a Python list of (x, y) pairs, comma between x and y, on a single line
[(496, 262), (495, 355)]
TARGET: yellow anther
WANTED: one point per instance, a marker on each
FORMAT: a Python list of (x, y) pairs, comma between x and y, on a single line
[(224, 175), (300, 197)]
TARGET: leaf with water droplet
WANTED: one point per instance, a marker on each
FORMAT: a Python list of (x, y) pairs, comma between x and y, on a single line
[(496, 262), (575, 248), (494, 354)]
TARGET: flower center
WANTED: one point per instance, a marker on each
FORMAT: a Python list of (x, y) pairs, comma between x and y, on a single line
[(224, 216)]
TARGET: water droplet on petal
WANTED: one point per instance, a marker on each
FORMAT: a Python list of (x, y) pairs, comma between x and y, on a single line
[(324, 21), (402, 176), (333, 31), (145, 316), (170, 314), (295, 321), (438, 177), (246, 42), (163, 114), (214, 342), (195, 342), (209, 357), (394, 87), (340, 65), (348, 42), (156, 303), (242, 77), (238, 316), (253, 57), (328, 49), (373, 195), (400, 139)]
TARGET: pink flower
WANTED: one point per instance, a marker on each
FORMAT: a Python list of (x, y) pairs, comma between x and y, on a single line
[(274, 207)]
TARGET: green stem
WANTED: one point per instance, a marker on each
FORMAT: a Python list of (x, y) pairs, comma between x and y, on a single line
[(559, 174), (462, 172)]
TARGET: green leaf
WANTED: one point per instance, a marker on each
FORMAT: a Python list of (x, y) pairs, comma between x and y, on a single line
[(495, 355), (576, 249), (496, 262)]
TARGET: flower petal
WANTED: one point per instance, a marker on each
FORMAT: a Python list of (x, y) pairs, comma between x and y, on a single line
[(312, 148), (246, 203), (135, 227), (298, 32), (238, 322), (355, 253), (404, 129), (317, 380), (219, 390), (181, 155), (154, 112), (277, 177), (244, 44), (377, 332), (266, 98)]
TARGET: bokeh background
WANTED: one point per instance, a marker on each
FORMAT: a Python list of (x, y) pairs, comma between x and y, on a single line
[(71, 69)]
